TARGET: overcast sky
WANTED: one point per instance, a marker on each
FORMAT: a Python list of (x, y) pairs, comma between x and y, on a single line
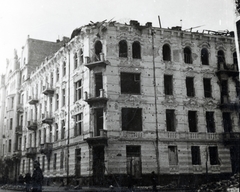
[(53, 19)]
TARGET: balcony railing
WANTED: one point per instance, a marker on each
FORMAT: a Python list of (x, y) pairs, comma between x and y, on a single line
[(100, 100), (100, 139), (32, 100), (32, 125), (231, 138), (31, 152), (47, 118), (230, 70), (96, 61), (19, 130), (48, 90)]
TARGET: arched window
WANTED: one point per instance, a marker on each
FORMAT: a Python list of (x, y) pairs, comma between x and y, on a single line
[(204, 56), (235, 61), (166, 51), (123, 49), (221, 57), (136, 50), (187, 55), (98, 50)]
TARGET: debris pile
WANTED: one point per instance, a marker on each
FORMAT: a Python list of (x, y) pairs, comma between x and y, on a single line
[(222, 185)]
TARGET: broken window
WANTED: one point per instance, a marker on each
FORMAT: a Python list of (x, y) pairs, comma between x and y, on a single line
[(172, 155), (131, 119), (210, 122), (77, 162), (213, 155), (78, 90), (75, 59), (63, 129), (134, 167), (187, 55), (196, 157), (136, 50), (79, 124), (123, 49), (98, 84), (98, 50), (227, 122), (130, 83), (168, 84), (192, 121), (220, 57), (170, 120), (204, 56), (207, 87), (98, 121), (190, 86), (166, 51)]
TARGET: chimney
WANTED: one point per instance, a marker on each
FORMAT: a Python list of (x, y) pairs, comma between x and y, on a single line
[(149, 24), (134, 23)]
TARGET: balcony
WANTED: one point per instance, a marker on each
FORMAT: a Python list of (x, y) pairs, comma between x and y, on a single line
[(99, 101), (48, 90), (32, 125), (19, 130), (101, 139), (20, 108), (226, 104), (46, 149), (31, 152), (96, 61), (225, 69), (231, 138), (47, 118), (32, 100)]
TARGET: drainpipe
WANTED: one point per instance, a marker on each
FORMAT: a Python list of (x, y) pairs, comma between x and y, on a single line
[(155, 100)]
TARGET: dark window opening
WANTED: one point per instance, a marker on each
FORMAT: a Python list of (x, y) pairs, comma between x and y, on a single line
[(134, 167), (224, 91), (61, 159), (123, 49), (131, 119), (55, 161), (78, 162), (204, 56), (192, 121), (130, 83), (56, 132), (79, 124), (98, 121), (221, 57), (172, 155), (63, 130), (168, 84), (81, 56), (63, 97), (207, 87), (196, 157), (136, 50), (187, 55), (227, 122), (98, 50), (190, 86), (210, 122), (235, 61), (43, 163), (170, 120), (75, 58), (64, 68), (166, 51), (213, 154), (98, 84)]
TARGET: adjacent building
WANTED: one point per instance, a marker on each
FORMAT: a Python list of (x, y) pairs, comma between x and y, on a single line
[(125, 99)]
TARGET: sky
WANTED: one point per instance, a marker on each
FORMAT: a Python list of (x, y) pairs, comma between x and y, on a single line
[(52, 19)]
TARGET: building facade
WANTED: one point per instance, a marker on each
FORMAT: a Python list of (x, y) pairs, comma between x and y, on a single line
[(126, 99)]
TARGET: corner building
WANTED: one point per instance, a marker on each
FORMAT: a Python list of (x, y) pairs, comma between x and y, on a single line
[(122, 99)]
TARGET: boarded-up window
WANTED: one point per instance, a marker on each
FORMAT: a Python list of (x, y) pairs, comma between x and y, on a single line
[(130, 83), (207, 87), (196, 158), (123, 49), (172, 155), (170, 120), (166, 51), (210, 122), (190, 86), (213, 155), (134, 167), (168, 84), (227, 122), (192, 121), (204, 56), (131, 119)]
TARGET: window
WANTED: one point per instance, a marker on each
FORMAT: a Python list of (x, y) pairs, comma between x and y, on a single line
[(75, 59), (204, 56), (79, 124), (192, 121), (98, 118), (57, 101), (12, 102), (210, 122), (168, 85), (224, 91), (98, 50), (98, 84), (55, 161), (44, 135), (56, 132), (78, 90), (77, 162), (172, 155), (23, 166), (213, 155), (220, 57), (136, 50), (9, 145), (130, 83), (190, 86), (134, 167), (227, 122), (207, 87), (11, 123), (187, 55), (81, 56), (63, 97), (196, 157), (166, 51), (57, 74), (64, 68), (61, 159), (39, 137), (235, 61), (131, 119), (170, 120), (63, 130), (123, 49), (43, 163)]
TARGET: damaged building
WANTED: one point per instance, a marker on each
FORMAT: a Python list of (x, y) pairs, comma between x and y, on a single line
[(127, 99)]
